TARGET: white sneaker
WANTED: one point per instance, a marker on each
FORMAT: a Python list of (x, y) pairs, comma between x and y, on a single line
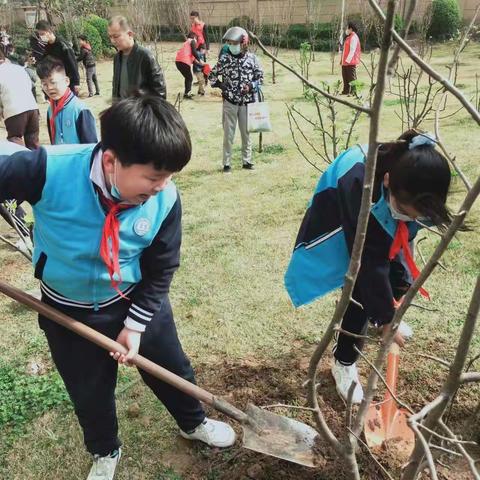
[(405, 330), (344, 375), (103, 468), (213, 433)]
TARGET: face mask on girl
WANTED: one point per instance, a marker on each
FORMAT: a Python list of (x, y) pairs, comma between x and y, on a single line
[(234, 49), (396, 215)]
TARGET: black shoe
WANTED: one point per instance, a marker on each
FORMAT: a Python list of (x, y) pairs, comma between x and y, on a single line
[(188, 96), (98, 93), (227, 169), (248, 166)]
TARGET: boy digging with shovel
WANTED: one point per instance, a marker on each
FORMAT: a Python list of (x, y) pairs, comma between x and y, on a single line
[(107, 241)]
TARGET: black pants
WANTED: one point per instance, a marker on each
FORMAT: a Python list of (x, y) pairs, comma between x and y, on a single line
[(355, 321), (186, 71), (92, 79), (349, 73), (90, 374)]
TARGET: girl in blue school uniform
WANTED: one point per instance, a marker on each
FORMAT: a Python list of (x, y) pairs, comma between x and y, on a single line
[(411, 183)]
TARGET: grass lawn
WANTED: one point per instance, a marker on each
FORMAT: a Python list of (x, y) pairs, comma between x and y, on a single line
[(234, 317)]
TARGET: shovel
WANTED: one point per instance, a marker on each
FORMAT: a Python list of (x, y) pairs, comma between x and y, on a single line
[(263, 431), (384, 421)]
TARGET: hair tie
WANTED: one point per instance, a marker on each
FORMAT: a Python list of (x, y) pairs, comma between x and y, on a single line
[(422, 139)]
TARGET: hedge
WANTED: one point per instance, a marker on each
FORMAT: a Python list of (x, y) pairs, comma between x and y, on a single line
[(446, 20)]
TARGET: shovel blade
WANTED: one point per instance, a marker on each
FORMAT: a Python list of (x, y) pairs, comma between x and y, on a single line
[(280, 437), (397, 431)]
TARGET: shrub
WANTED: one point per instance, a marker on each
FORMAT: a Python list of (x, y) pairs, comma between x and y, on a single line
[(446, 19), (101, 25), (93, 37), (71, 30)]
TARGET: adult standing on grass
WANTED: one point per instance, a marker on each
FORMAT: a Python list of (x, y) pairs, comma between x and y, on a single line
[(184, 60), (134, 66), (107, 244), (350, 58), (411, 183), (199, 29), (17, 104), (238, 74), (58, 48)]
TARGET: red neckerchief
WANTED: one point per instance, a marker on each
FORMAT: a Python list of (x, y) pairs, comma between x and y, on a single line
[(55, 109), (110, 243), (400, 242)]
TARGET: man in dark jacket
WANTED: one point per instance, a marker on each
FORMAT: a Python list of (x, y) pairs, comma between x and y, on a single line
[(56, 47), (88, 60), (134, 67)]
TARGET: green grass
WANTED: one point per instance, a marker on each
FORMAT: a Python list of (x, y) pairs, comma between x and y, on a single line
[(228, 295)]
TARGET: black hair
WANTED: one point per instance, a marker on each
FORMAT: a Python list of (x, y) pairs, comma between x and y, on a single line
[(419, 177), (192, 35), (352, 26), (194, 13), (49, 65), (43, 26), (144, 129), (83, 37)]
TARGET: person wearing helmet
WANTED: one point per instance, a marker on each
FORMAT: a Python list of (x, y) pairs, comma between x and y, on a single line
[(238, 74)]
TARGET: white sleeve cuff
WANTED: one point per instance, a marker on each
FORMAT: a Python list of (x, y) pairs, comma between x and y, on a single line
[(131, 324)]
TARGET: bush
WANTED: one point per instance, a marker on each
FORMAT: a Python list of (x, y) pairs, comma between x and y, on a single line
[(93, 38), (101, 25), (446, 19), (71, 30)]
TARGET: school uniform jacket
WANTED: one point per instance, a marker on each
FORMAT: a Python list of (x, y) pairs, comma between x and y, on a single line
[(75, 123), (324, 243), (69, 220)]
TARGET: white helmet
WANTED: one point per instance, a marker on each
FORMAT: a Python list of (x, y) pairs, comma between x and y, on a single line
[(236, 34)]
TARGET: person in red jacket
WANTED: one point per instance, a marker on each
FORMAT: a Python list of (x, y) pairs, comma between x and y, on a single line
[(199, 29), (350, 58), (184, 60)]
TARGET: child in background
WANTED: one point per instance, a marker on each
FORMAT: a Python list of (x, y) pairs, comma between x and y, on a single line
[(198, 66), (68, 119), (411, 183), (88, 60)]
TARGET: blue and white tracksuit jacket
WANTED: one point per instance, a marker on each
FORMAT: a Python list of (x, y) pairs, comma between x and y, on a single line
[(324, 243), (69, 220)]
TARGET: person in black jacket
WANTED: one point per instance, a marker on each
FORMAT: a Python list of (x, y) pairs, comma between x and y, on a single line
[(134, 67), (88, 60), (56, 47), (107, 244)]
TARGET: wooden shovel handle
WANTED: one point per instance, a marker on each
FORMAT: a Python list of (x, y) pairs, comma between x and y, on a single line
[(113, 346)]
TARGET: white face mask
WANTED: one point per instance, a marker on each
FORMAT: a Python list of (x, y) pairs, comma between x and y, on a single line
[(234, 49), (44, 38), (399, 216)]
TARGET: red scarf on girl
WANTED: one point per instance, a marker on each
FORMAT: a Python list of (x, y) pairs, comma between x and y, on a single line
[(400, 242)]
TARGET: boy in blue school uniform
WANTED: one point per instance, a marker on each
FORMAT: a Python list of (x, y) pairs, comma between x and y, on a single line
[(106, 255), (412, 183), (68, 118)]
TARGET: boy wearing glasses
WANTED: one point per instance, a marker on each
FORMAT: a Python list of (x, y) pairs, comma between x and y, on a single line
[(69, 121)]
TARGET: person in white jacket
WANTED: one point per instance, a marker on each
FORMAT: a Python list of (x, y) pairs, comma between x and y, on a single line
[(18, 107)]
